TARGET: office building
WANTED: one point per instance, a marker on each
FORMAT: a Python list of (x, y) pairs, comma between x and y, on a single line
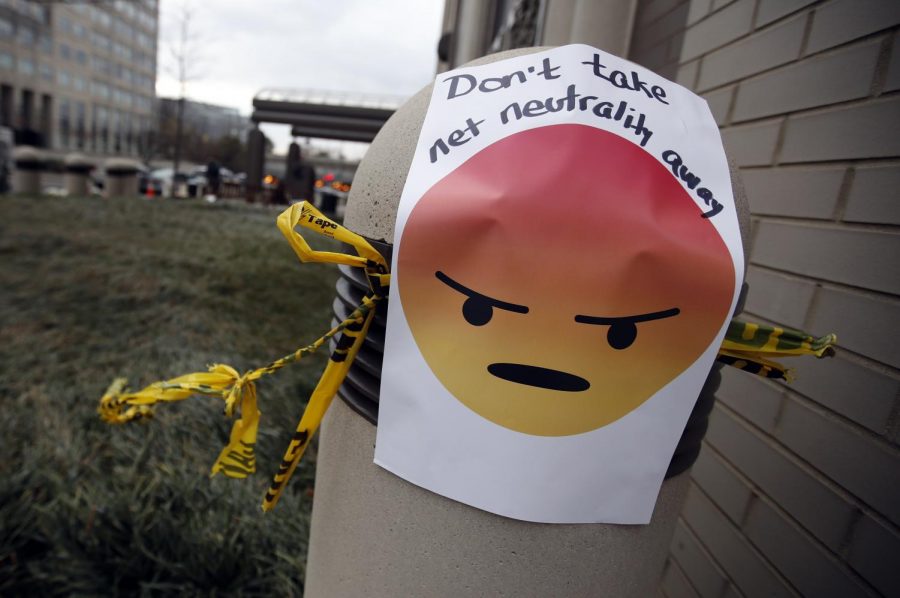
[(79, 76)]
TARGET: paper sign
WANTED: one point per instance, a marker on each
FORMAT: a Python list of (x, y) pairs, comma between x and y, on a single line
[(567, 257)]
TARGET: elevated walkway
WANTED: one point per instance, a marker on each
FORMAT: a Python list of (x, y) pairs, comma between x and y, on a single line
[(346, 116)]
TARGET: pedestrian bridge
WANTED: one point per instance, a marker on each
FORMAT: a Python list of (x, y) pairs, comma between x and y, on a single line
[(346, 116)]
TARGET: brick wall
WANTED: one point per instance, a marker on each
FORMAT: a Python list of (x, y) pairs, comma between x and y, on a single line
[(797, 490)]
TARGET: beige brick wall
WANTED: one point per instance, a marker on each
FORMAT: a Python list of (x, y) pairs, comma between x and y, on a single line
[(797, 490)]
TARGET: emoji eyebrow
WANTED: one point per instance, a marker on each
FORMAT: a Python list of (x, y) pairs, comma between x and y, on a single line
[(514, 307), (600, 320)]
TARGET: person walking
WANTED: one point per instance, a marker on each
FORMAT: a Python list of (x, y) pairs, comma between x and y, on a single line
[(212, 180)]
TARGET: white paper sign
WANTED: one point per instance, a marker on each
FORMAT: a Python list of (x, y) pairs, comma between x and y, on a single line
[(566, 260)]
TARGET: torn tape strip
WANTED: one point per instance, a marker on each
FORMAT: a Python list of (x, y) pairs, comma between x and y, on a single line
[(237, 459)]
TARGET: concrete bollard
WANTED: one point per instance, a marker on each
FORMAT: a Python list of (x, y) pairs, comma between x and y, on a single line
[(121, 178), (256, 163), (30, 164), (78, 170), (375, 534)]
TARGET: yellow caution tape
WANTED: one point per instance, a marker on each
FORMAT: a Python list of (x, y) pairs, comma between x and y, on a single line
[(237, 459), (746, 346), (749, 347)]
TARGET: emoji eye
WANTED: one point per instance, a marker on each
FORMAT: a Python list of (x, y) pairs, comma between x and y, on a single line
[(623, 329), (621, 335), (477, 311)]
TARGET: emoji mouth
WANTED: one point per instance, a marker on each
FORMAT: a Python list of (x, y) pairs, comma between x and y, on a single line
[(537, 376)]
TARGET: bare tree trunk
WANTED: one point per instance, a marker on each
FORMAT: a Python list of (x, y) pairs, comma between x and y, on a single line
[(184, 56), (176, 159)]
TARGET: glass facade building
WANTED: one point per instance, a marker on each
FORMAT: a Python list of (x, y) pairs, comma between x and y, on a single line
[(79, 76)]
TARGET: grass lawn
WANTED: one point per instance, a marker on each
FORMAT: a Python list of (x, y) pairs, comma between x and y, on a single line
[(91, 289)]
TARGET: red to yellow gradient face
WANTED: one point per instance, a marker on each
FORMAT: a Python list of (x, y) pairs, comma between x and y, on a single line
[(559, 278)]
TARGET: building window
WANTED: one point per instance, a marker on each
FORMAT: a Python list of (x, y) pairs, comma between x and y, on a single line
[(26, 36), (46, 122), (35, 11), (101, 42), (6, 105), (102, 91), (26, 109), (46, 71), (100, 129), (64, 122), (116, 131), (121, 51), (102, 17), (80, 124), (26, 66), (125, 30), (64, 51), (6, 60), (6, 28)]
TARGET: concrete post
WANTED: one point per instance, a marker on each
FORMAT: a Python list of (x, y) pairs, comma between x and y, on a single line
[(604, 24), (121, 178), (471, 31), (256, 158), (291, 164), (30, 164), (374, 534), (78, 169)]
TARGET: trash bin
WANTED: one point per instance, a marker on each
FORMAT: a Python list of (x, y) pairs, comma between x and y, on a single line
[(78, 170), (121, 177), (377, 534), (30, 164)]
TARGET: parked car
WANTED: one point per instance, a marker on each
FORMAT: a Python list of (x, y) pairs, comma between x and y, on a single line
[(196, 183), (226, 175), (168, 182)]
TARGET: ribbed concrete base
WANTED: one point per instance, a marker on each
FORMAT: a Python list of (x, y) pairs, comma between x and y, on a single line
[(77, 184), (374, 534), (122, 185), (27, 182)]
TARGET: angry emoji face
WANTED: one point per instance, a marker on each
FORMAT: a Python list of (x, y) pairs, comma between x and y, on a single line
[(559, 278)]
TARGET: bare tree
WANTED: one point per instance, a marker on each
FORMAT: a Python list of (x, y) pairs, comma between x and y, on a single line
[(184, 54)]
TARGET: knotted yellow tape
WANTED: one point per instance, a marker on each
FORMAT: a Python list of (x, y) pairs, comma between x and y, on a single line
[(746, 346), (237, 459), (749, 347)]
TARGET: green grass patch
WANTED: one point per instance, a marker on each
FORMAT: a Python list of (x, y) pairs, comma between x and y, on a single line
[(91, 289)]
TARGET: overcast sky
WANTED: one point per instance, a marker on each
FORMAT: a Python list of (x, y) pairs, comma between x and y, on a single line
[(383, 46)]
